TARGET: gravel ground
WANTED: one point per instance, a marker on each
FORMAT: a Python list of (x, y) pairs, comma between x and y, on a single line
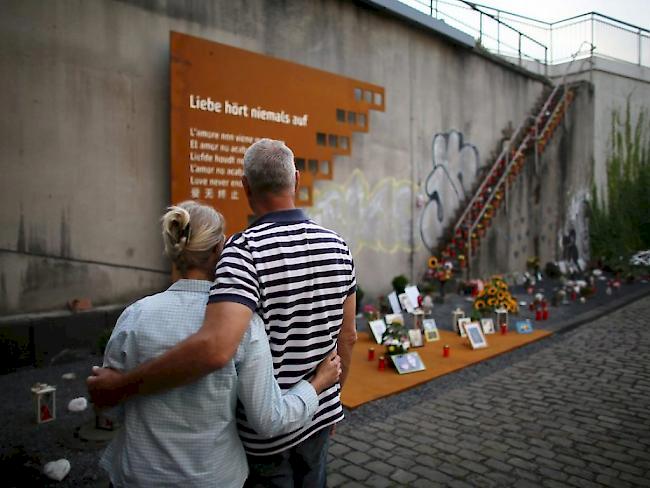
[(25, 447)]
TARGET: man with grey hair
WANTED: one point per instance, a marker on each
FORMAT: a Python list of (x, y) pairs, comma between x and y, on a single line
[(299, 277)]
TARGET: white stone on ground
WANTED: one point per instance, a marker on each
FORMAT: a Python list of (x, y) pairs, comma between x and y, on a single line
[(57, 470), (78, 404)]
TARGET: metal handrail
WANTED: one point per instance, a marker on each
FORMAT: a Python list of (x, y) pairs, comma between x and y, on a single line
[(549, 30), (475, 6)]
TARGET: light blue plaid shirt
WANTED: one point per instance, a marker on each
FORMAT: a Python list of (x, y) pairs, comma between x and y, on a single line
[(187, 436)]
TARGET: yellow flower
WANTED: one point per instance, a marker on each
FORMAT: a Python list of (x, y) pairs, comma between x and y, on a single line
[(501, 296), (491, 290), (479, 304), (433, 262)]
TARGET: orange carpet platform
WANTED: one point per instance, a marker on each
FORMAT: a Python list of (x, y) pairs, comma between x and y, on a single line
[(366, 383)]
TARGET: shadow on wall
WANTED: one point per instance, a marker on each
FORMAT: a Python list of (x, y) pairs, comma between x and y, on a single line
[(455, 171)]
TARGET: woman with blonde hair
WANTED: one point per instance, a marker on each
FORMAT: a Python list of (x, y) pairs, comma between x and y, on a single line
[(188, 436)]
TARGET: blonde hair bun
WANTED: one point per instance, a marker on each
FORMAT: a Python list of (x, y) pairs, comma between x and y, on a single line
[(190, 232)]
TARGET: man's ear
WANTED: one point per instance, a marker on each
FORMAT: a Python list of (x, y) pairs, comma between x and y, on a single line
[(247, 187), (295, 190)]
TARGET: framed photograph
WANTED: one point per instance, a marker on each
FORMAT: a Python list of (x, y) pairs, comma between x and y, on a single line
[(475, 335), (524, 326), (432, 335), (415, 338), (408, 363), (394, 302), (429, 324), (392, 318), (377, 327), (488, 326), (405, 302), (462, 323), (413, 293), (430, 330)]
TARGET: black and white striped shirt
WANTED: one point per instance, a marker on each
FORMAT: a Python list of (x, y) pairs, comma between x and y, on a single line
[(296, 275)]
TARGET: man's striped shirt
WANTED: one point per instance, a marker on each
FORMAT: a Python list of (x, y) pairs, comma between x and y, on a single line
[(296, 275)]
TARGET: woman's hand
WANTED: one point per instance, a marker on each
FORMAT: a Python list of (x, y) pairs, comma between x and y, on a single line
[(327, 372)]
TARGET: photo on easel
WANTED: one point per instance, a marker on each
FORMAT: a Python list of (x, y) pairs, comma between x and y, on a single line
[(475, 335), (406, 304), (462, 323), (377, 328), (524, 326), (431, 333), (394, 302), (415, 338), (408, 363), (487, 326)]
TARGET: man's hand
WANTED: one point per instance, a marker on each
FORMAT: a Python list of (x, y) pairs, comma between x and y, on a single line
[(327, 372), (105, 387)]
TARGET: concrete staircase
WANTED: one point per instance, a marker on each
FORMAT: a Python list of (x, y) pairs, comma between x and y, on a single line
[(526, 144)]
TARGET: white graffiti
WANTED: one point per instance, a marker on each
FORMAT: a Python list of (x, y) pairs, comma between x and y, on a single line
[(573, 239), (377, 218), (454, 173)]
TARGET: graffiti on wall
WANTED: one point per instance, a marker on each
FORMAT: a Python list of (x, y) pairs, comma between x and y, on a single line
[(451, 177), (376, 218)]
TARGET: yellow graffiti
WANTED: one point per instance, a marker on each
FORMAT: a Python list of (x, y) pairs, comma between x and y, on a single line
[(377, 218)]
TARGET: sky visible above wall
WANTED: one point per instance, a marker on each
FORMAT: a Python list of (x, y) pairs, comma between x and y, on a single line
[(515, 28), (635, 12)]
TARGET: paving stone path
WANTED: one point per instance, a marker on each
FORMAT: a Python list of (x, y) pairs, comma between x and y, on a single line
[(571, 412)]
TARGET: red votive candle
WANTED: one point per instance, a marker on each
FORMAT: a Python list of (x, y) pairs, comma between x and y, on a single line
[(445, 351), (538, 314), (545, 313), (371, 354), (504, 329), (382, 363)]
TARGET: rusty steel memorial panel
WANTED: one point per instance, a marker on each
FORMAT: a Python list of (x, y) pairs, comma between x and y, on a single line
[(223, 99)]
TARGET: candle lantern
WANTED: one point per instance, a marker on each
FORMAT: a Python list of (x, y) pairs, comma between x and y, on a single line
[(371, 354), (455, 315), (418, 320), (44, 402), (445, 351), (502, 317)]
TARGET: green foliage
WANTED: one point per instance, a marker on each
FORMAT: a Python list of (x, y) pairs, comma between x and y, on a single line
[(620, 222), (399, 283)]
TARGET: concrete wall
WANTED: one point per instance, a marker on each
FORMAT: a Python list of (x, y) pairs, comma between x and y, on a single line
[(84, 135), (614, 82)]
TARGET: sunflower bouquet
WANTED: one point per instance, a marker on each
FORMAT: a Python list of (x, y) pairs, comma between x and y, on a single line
[(495, 295)]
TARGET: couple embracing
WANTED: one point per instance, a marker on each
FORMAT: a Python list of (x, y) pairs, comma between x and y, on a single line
[(234, 379)]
